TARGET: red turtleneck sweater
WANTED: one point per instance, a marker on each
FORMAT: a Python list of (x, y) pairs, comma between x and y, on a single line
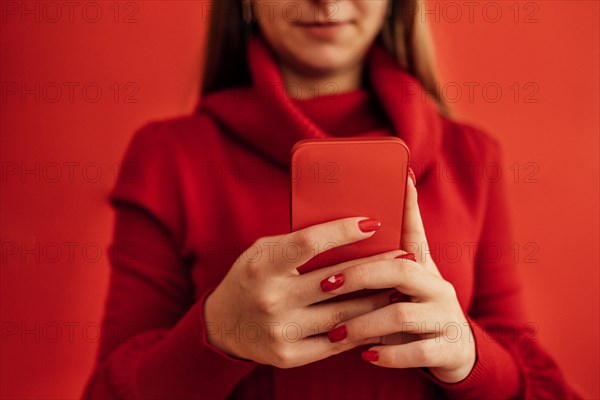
[(198, 190)]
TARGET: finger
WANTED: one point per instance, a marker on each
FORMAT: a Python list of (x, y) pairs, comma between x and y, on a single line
[(307, 288), (404, 337), (414, 239), (417, 354), (298, 247), (410, 318), (404, 275), (313, 349), (324, 317)]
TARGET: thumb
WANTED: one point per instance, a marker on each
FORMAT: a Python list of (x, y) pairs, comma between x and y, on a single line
[(414, 239)]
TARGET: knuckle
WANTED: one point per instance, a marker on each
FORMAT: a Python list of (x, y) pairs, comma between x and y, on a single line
[(283, 356), (266, 303), (360, 328), (302, 239), (359, 274), (254, 270), (340, 315), (403, 314), (408, 273), (423, 355)]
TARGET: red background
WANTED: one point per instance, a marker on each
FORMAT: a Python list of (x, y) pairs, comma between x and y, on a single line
[(60, 152)]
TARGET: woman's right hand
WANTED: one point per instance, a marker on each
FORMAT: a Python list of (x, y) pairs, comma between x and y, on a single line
[(265, 311)]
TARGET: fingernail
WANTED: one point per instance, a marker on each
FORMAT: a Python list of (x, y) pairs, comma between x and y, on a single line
[(408, 256), (332, 283), (337, 334), (397, 297), (369, 225), (370, 355), (412, 176)]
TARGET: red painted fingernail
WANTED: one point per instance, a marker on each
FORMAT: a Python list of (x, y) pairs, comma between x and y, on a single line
[(332, 283), (412, 176), (397, 297), (408, 256), (337, 334), (369, 225), (370, 355)]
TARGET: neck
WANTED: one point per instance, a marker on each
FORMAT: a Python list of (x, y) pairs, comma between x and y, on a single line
[(303, 86)]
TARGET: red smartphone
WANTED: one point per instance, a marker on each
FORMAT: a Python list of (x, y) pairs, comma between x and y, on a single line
[(347, 177)]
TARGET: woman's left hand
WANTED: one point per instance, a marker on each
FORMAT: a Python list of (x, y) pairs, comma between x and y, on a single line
[(429, 328)]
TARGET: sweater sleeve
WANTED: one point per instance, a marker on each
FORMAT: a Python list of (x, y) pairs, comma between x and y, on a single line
[(153, 342), (510, 362)]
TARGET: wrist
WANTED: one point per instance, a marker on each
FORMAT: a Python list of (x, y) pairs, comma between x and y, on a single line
[(457, 374), (211, 322), (216, 326)]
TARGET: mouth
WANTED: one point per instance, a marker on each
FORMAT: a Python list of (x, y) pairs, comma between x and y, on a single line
[(320, 24), (323, 30)]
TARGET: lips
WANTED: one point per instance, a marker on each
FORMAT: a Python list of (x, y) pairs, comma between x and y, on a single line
[(323, 30), (320, 24)]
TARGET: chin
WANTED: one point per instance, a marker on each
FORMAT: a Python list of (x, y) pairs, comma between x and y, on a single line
[(320, 60)]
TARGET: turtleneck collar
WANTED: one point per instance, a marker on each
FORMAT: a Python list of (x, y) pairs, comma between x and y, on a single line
[(268, 121), (353, 113)]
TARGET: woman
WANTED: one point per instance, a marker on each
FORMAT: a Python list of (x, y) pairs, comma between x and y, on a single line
[(202, 299)]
